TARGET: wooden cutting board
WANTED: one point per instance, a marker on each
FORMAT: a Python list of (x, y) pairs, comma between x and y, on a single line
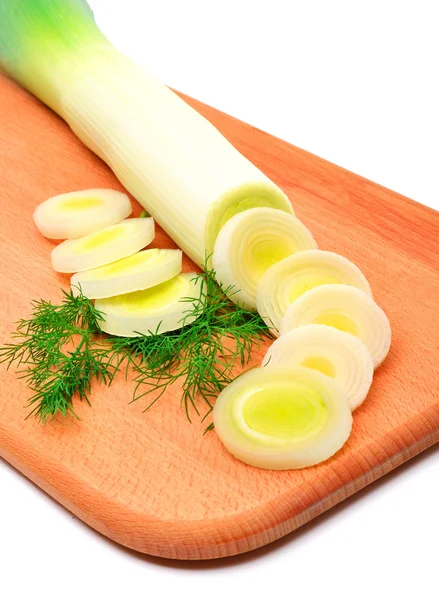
[(151, 481)]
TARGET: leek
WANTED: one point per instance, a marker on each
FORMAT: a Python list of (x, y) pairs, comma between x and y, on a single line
[(136, 272), (346, 308), (289, 278), (252, 241), (103, 247), (80, 213), (173, 161), (337, 354), (162, 308), (282, 418)]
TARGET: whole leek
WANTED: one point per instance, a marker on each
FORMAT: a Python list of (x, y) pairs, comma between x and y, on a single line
[(174, 161)]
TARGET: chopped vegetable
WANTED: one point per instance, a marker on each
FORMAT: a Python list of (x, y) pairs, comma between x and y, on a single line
[(136, 272), (79, 213), (174, 161), (289, 278), (250, 243), (282, 418), (155, 310), (346, 308), (337, 354), (103, 247)]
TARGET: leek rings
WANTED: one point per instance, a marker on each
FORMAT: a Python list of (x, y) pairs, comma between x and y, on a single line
[(136, 272), (282, 418), (80, 213), (103, 247), (251, 242), (164, 307), (289, 278), (346, 308), (337, 354)]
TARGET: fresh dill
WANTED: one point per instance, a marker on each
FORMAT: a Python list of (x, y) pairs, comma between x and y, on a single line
[(57, 355), (62, 352)]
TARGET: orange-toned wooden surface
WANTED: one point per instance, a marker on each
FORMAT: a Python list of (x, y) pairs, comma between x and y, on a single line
[(151, 481)]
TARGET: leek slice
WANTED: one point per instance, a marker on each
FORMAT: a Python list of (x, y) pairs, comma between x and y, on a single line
[(79, 213), (289, 278), (282, 418), (185, 173), (136, 272), (155, 310), (337, 354), (252, 241), (346, 308), (105, 246)]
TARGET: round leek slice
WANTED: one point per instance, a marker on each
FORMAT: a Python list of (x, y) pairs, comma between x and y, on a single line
[(337, 354), (136, 272), (106, 246), (346, 308), (282, 418), (155, 310), (80, 213), (251, 242), (291, 277)]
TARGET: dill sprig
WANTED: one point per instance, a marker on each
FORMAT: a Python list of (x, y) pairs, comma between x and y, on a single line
[(203, 355), (61, 351), (60, 358)]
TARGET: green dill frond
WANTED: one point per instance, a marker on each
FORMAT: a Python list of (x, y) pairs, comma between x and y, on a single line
[(58, 356)]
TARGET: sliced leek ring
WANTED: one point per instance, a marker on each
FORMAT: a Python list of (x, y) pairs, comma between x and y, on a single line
[(337, 354), (155, 310), (80, 213), (346, 308), (250, 243), (136, 272), (289, 278), (106, 246), (282, 418)]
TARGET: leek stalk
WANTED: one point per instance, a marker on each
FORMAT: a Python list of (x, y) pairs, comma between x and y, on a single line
[(173, 161)]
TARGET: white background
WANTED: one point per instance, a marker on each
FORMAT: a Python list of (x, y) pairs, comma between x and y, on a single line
[(356, 83)]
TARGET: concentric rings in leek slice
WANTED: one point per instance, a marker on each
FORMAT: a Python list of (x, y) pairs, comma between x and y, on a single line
[(291, 277), (282, 418), (155, 310), (80, 213), (103, 247), (251, 242), (337, 354), (346, 308), (139, 271)]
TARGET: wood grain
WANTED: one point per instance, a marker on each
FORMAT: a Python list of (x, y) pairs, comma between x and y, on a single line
[(151, 481)]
